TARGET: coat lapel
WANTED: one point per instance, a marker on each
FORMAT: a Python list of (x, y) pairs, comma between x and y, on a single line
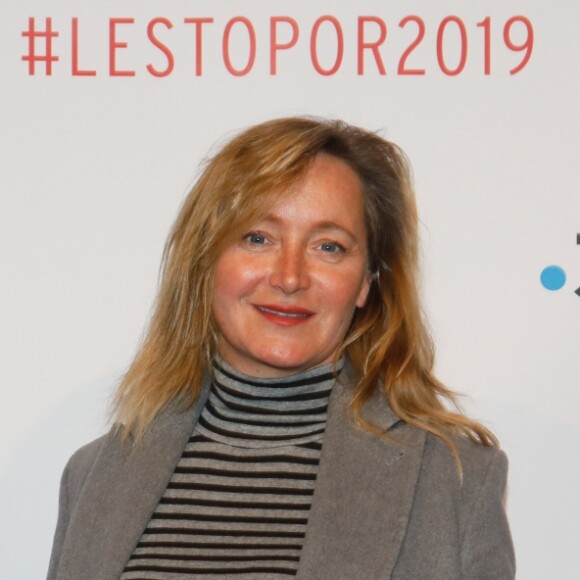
[(115, 507), (363, 497)]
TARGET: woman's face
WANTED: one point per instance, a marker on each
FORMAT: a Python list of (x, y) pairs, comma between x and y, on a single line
[(285, 292)]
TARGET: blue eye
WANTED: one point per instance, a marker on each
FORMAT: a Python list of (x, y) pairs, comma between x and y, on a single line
[(255, 239), (332, 247)]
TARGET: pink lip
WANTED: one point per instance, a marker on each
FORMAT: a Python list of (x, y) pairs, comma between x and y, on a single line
[(284, 315)]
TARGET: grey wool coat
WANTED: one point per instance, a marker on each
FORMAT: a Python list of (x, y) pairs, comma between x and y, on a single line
[(381, 509)]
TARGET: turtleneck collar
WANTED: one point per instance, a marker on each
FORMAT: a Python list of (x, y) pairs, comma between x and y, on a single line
[(246, 411)]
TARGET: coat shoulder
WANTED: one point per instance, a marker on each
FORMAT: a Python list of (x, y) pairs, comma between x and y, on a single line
[(81, 462), (480, 468), (458, 517), (478, 463)]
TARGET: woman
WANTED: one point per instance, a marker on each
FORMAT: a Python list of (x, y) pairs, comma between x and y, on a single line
[(281, 417)]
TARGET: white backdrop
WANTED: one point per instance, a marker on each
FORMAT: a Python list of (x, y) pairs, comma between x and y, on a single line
[(94, 167)]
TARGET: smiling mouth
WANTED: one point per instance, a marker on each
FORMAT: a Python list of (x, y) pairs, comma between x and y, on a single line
[(290, 313), (283, 315)]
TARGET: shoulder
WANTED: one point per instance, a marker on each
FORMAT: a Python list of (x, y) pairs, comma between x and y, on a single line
[(458, 518), (478, 462), (86, 454), (82, 461), (476, 486), (94, 460)]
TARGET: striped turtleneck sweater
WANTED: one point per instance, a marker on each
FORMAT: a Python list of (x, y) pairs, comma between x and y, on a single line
[(237, 504)]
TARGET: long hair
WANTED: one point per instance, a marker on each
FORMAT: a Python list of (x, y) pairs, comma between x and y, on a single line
[(387, 342)]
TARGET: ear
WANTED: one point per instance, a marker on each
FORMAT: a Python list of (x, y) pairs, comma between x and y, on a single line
[(364, 290)]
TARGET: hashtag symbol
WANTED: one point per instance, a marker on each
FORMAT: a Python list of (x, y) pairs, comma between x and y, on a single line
[(32, 57)]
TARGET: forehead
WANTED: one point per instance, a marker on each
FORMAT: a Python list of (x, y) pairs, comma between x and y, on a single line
[(329, 191)]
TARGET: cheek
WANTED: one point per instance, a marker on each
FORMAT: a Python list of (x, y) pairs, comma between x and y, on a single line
[(343, 293), (233, 279), (223, 290)]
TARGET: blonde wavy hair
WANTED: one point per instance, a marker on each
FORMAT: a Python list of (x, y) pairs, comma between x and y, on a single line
[(387, 342)]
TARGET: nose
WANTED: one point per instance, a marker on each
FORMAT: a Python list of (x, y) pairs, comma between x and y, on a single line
[(290, 270)]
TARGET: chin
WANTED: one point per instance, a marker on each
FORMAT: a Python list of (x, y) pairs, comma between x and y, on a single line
[(289, 362)]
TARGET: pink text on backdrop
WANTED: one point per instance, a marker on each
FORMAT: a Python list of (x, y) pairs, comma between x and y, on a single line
[(285, 33)]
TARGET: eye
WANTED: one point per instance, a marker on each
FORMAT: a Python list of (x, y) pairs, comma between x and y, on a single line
[(332, 247), (255, 239)]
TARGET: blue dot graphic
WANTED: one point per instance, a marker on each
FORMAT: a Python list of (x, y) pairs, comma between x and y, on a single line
[(553, 277)]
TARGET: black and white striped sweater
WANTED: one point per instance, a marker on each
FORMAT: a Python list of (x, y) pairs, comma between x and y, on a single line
[(238, 501)]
